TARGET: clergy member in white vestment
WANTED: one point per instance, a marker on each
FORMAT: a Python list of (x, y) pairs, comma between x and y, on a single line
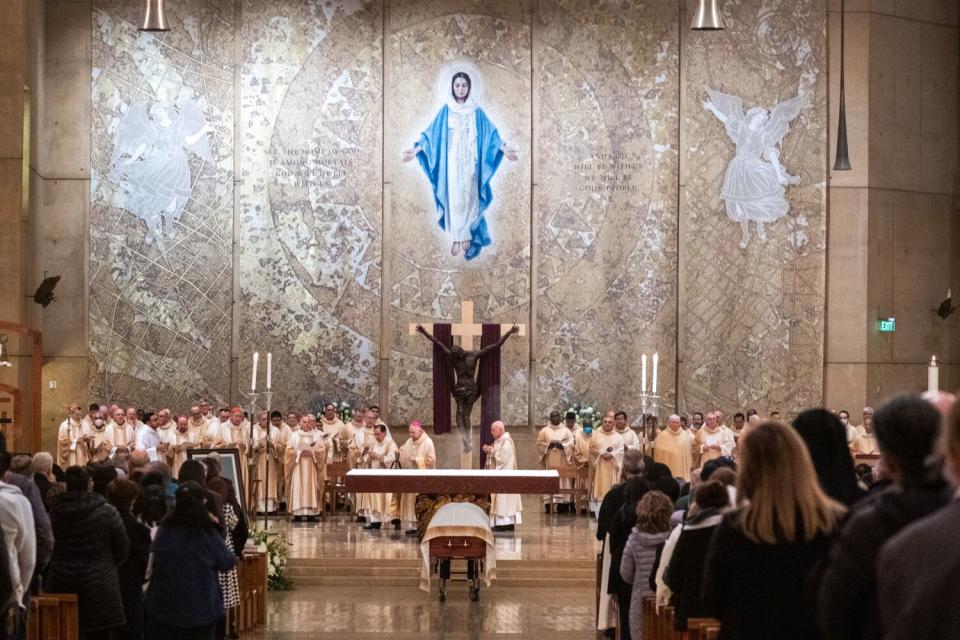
[(148, 440), (380, 455), (332, 425), (674, 448), (264, 452), (167, 430), (866, 442), (417, 452), (283, 434), (505, 508), (291, 424), (306, 457), (581, 457), (87, 418), (235, 434), (122, 435), (100, 445), (630, 438), (349, 446), (555, 446), (206, 412), (186, 439), (133, 421), (73, 438), (713, 441), (363, 439), (606, 461)]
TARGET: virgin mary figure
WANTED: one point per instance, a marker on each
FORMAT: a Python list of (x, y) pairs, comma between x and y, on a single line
[(460, 152)]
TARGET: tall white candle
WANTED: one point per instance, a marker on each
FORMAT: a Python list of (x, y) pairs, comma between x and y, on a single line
[(643, 373), (269, 370), (656, 363), (933, 375), (253, 379)]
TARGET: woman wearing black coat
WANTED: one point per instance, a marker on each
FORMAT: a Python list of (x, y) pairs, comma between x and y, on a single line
[(90, 543), (122, 494)]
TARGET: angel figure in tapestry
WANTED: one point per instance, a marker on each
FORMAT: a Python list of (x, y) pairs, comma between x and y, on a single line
[(150, 161), (460, 152), (754, 185)]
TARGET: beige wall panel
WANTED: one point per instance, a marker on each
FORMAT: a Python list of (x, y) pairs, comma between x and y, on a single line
[(427, 282), (310, 225), (753, 317), (606, 212), (160, 267)]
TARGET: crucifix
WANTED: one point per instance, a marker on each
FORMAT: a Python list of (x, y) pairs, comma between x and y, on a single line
[(463, 361)]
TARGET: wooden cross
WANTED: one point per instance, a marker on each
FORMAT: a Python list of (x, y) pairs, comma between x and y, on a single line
[(467, 329)]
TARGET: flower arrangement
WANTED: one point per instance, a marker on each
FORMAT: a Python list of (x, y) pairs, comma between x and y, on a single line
[(278, 552), (345, 411), (586, 413)]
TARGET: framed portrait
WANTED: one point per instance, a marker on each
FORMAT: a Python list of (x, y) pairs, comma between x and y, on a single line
[(229, 468)]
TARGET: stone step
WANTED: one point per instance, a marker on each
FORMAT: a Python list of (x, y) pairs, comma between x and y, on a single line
[(350, 563), (414, 581), (369, 574)]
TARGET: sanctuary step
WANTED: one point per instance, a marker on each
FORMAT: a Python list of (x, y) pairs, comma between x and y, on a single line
[(397, 572)]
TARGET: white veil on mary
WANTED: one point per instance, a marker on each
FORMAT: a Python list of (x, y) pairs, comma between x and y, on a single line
[(445, 86)]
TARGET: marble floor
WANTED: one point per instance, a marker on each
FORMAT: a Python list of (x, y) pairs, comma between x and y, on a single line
[(359, 608)]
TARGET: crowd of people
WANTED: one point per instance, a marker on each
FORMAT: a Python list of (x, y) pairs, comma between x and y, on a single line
[(775, 533)]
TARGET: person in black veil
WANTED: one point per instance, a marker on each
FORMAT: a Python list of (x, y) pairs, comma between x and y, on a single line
[(826, 440)]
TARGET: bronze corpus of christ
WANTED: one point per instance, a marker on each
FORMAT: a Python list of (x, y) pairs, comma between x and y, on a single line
[(465, 391)]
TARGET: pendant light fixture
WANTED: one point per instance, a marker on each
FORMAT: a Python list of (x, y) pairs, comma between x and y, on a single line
[(154, 16), (707, 17), (842, 161)]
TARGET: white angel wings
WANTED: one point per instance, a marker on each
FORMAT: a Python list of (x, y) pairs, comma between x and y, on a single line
[(136, 128), (729, 109)]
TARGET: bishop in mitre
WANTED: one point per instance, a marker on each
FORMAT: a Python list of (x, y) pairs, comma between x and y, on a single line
[(235, 434), (72, 439), (674, 448), (555, 444), (380, 455), (306, 457), (606, 460), (417, 452), (265, 458), (505, 508)]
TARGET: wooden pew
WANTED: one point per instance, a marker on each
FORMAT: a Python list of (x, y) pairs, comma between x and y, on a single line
[(660, 626), (252, 578), (54, 616)]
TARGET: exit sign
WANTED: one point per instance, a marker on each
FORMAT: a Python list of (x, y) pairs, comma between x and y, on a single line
[(888, 325)]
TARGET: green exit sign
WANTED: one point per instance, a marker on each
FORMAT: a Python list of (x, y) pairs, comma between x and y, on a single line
[(888, 325)]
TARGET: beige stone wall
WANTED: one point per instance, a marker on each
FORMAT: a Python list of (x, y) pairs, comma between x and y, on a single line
[(894, 232), (320, 247)]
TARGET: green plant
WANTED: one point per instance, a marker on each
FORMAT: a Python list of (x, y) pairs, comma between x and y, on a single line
[(278, 552)]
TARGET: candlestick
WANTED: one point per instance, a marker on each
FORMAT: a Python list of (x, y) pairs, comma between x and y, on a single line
[(656, 362), (643, 373), (933, 375), (269, 370), (253, 379)]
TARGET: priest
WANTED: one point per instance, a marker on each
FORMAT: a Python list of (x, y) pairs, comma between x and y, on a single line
[(266, 439), (417, 452), (186, 439), (555, 444), (306, 457), (630, 438), (379, 455), (606, 461), (235, 434), (505, 508), (72, 439), (122, 436), (674, 448), (363, 439), (332, 425), (100, 445), (167, 430), (713, 440)]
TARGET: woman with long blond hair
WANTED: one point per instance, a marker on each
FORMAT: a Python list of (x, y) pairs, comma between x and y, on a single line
[(761, 553)]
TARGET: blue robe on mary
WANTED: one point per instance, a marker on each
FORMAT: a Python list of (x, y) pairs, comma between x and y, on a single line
[(432, 154)]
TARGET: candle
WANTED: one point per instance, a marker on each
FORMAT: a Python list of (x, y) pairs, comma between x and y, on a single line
[(643, 373), (933, 375), (656, 362), (269, 370), (253, 379)]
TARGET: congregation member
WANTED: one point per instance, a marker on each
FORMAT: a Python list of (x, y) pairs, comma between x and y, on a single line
[(555, 443), (907, 428), (826, 443), (505, 508), (90, 542), (131, 573), (306, 458), (380, 455), (761, 554), (606, 461), (18, 546), (652, 526), (418, 452), (183, 599), (674, 448)]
